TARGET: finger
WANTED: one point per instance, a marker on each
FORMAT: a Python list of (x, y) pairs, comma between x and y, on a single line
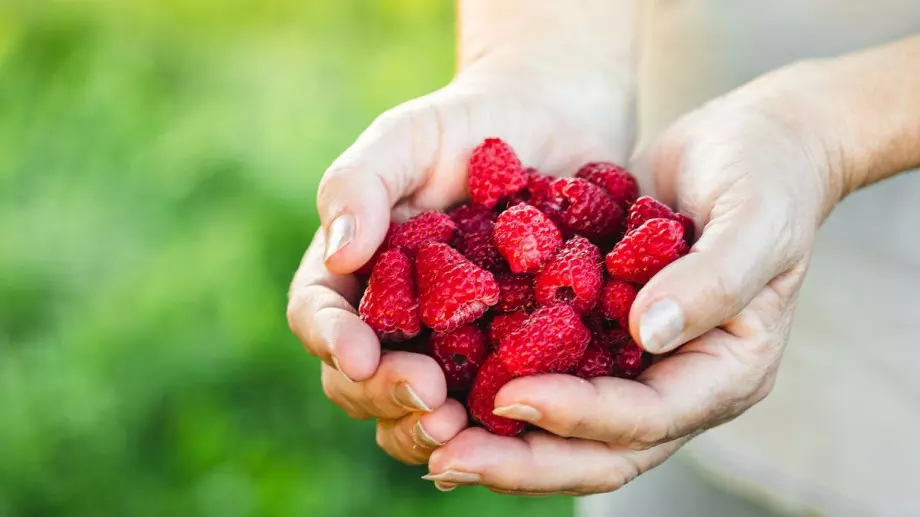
[(321, 314), (703, 384), (752, 227), (412, 438), (403, 383), (386, 163), (540, 463), (739, 252)]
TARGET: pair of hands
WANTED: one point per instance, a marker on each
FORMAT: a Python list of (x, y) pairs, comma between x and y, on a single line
[(754, 177)]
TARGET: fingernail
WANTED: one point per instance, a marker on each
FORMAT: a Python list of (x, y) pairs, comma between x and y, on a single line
[(335, 363), (444, 487), (422, 437), (660, 326), (518, 412), (453, 476), (406, 397), (341, 232)]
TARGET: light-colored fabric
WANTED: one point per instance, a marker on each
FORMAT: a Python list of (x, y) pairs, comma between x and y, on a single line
[(837, 435)]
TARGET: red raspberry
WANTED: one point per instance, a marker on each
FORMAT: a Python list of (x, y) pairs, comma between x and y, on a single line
[(551, 340), (516, 293), (460, 354), (584, 208), (526, 238), (504, 324), (495, 173), (473, 218), (490, 379), (597, 362), (540, 189), (630, 361), (422, 228), (646, 250), (617, 181), (605, 331), (537, 183), (646, 208), (574, 276), (617, 298), (537, 186), (390, 305), (452, 290), (368, 267), (479, 248)]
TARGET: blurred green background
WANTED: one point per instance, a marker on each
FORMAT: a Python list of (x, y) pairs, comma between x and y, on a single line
[(158, 162)]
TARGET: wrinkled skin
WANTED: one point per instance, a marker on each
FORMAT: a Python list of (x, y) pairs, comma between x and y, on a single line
[(757, 183)]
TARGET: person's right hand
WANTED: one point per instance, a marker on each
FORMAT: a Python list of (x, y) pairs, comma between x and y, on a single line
[(413, 158)]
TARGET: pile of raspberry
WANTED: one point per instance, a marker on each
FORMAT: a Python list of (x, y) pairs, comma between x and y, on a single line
[(535, 275)]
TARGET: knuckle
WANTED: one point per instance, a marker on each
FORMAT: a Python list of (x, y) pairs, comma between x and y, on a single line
[(569, 426), (333, 392), (390, 120), (652, 437), (647, 431), (726, 291), (764, 389), (337, 174), (382, 437), (330, 390), (292, 313)]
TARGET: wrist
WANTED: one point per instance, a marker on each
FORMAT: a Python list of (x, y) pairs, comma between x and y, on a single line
[(581, 54), (864, 110), (602, 106), (796, 98)]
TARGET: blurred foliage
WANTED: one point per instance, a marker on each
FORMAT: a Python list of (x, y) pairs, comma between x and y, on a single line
[(157, 173)]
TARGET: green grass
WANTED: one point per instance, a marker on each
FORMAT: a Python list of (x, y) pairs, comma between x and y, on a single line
[(158, 166)]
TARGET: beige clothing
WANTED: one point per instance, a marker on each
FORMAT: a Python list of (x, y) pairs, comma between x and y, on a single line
[(836, 436)]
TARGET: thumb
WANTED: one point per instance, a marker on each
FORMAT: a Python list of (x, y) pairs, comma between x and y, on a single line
[(737, 255), (385, 164)]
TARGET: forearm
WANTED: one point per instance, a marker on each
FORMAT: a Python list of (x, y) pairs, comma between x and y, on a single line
[(869, 103), (583, 38)]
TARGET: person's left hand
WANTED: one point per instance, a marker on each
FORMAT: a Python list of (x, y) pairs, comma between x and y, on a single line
[(753, 170)]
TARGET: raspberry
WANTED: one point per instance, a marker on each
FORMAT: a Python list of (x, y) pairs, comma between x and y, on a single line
[(368, 267), (537, 186), (526, 238), (452, 290), (551, 340), (478, 247), (504, 324), (473, 218), (424, 227), (481, 401), (495, 173), (516, 293), (647, 250), (646, 208), (583, 208), (629, 361), (390, 305), (597, 362), (417, 345), (574, 276), (617, 181), (460, 354), (617, 298), (606, 332)]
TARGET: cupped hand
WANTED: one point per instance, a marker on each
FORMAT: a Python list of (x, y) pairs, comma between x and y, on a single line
[(413, 158), (757, 179)]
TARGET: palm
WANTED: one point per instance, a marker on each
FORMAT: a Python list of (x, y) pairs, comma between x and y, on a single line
[(554, 136)]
